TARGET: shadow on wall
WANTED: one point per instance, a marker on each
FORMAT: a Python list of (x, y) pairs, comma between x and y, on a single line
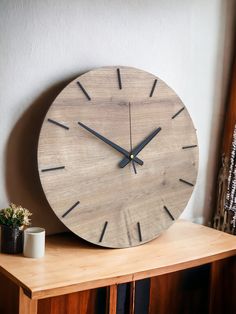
[(22, 180), (222, 76)]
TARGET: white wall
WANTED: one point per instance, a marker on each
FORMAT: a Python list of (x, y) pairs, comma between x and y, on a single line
[(45, 44)]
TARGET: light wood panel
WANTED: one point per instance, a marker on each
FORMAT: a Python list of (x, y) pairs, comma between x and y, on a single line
[(114, 202), (27, 305), (70, 266)]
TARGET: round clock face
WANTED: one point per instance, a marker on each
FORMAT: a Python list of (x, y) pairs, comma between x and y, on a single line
[(117, 156)]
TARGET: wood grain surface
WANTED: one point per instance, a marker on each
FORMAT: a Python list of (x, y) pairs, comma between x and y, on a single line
[(26, 305), (83, 302), (8, 292), (88, 190), (185, 292), (223, 286), (71, 266)]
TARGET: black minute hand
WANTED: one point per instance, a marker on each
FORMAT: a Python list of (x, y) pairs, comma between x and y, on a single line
[(115, 146), (138, 148)]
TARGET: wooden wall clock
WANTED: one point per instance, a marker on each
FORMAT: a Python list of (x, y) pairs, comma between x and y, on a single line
[(117, 156)]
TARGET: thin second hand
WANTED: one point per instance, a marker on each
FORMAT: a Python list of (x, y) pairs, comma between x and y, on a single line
[(130, 138)]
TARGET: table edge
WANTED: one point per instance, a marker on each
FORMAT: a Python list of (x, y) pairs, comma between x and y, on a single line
[(104, 282)]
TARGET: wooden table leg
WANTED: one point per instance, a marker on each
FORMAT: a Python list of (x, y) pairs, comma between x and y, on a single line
[(112, 299), (27, 305), (132, 298)]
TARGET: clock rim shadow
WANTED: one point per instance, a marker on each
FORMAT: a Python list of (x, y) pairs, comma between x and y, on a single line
[(22, 181)]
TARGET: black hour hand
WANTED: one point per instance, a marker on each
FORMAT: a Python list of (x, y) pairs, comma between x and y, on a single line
[(113, 145), (139, 147)]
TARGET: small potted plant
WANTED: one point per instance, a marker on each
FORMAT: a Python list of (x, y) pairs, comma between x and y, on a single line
[(13, 219)]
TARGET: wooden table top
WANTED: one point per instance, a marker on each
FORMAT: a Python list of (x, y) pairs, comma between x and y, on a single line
[(71, 265)]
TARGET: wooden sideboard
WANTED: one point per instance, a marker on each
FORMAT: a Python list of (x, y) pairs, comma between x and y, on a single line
[(191, 270)]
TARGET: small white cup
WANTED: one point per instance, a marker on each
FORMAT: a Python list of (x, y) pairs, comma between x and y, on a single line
[(34, 242)]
